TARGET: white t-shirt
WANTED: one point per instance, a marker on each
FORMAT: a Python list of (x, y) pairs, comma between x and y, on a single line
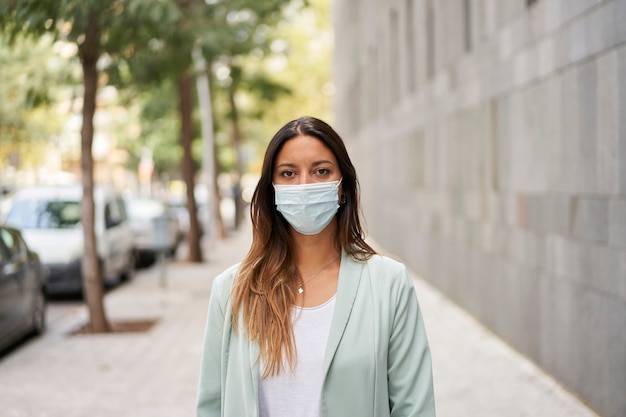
[(298, 393)]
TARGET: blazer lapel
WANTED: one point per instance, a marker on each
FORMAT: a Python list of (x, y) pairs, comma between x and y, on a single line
[(254, 368), (349, 278), (248, 375)]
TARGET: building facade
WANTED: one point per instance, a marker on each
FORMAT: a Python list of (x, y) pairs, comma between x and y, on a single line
[(490, 141)]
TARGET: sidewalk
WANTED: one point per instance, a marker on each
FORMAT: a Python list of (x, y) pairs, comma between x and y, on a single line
[(155, 373)]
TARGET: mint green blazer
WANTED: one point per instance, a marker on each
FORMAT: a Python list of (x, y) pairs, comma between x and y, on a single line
[(377, 360)]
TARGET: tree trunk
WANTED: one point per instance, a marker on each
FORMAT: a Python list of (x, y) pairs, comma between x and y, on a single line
[(236, 140), (93, 288), (186, 131), (217, 203)]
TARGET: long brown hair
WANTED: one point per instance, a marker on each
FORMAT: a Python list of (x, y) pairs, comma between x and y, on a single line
[(263, 290)]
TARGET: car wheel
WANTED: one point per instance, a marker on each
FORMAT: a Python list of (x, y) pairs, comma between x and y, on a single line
[(104, 279), (39, 313), (129, 273)]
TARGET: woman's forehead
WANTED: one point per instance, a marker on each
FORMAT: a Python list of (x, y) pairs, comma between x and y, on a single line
[(303, 149)]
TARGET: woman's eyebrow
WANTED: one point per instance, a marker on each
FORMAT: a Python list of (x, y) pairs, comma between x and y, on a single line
[(286, 164), (323, 161), (292, 165)]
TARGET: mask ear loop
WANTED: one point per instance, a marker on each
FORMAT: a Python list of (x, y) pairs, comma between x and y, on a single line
[(342, 199)]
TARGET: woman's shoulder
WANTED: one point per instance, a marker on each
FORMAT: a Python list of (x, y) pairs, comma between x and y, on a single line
[(386, 271), (386, 263), (223, 283)]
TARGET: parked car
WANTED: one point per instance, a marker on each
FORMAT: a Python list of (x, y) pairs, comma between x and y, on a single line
[(177, 206), (22, 283), (50, 221), (155, 228), (177, 203)]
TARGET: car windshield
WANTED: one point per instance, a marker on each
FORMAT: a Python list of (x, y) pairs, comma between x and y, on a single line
[(140, 208), (44, 214)]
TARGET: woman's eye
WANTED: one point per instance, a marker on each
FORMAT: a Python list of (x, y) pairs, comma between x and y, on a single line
[(323, 171), (287, 174)]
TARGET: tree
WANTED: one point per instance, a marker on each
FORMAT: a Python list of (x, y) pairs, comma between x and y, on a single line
[(228, 29), (306, 42), (264, 90), (240, 31), (158, 128), (173, 63), (98, 28), (28, 117)]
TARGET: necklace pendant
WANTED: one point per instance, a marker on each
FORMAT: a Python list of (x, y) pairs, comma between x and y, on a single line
[(300, 290)]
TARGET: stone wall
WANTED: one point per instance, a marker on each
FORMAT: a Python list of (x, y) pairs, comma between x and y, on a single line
[(490, 141)]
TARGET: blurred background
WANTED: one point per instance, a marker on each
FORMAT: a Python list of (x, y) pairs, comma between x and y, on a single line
[(489, 137)]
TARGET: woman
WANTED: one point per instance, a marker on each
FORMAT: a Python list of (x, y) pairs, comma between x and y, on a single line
[(313, 322)]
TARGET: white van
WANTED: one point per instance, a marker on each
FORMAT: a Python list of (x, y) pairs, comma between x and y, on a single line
[(49, 219)]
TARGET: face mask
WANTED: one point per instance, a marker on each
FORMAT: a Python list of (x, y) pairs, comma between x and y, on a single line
[(308, 208)]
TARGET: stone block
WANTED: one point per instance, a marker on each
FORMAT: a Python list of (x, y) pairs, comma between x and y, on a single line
[(505, 42), (621, 118), (579, 260), (569, 130), (521, 67), (522, 308), (620, 18), (599, 329), (574, 9), (414, 158), (586, 124), (561, 48), (617, 222), (503, 142), (535, 255), (590, 218), (557, 255), (622, 272), (522, 35), (578, 48), (607, 150), (497, 209), (605, 269), (553, 15), (542, 137), (535, 212), (555, 214), (500, 82), (546, 56), (602, 27), (430, 165), (550, 136), (560, 307), (613, 399)]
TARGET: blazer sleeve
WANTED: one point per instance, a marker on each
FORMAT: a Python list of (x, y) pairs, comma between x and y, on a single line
[(209, 400), (409, 368)]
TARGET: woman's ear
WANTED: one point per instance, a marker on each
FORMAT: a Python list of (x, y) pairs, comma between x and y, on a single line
[(342, 199)]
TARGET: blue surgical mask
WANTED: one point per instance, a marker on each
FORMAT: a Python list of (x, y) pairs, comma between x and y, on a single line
[(308, 208)]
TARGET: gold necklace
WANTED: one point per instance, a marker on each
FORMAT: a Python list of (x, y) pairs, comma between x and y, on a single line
[(301, 287)]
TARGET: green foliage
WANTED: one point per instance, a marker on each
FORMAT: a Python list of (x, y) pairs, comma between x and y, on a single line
[(287, 79), (122, 23), (124, 29), (36, 76), (146, 44), (228, 31), (159, 129), (309, 41)]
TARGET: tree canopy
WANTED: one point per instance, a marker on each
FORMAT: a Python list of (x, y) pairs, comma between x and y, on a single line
[(34, 74)]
